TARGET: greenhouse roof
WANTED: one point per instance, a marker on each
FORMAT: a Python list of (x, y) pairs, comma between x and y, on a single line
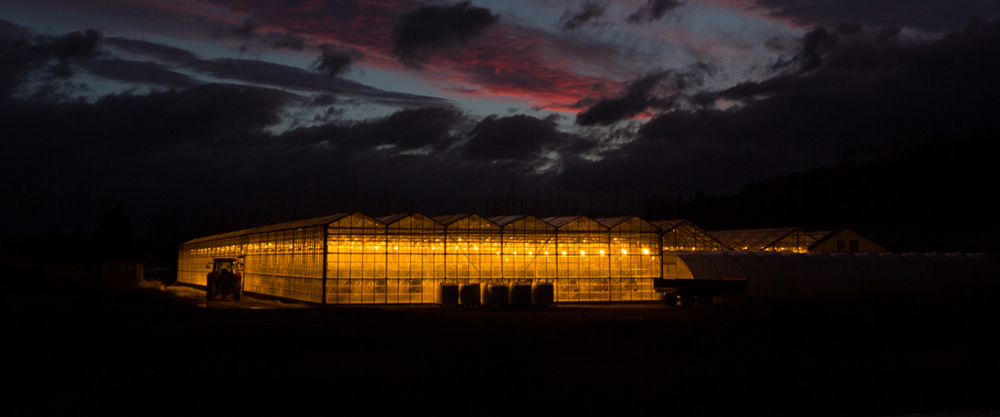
[(392, 218), (754, 239), (505, 220), (297, 224), (819, 234), (613, 221), (560, 221), (452, 218), (668, 225)]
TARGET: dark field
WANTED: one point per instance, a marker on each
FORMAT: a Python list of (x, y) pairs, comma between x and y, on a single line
[(81, 346)]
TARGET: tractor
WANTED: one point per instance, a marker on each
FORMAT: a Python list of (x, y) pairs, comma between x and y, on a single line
[(226, 278)]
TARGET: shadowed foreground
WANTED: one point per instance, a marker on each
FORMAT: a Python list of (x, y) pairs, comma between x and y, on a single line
[(81, 346)]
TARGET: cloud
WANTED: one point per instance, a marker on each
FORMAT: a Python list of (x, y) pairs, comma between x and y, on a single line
[(427, 127), (821, 44), (661, 89), (139, 72), (77, 45), (419, 33), (653, 10), (335, 61), (928, 15), (518, 137), (271, 74), (21, 55), (63, 157), (589, 11), (861, 91), (249, 31)]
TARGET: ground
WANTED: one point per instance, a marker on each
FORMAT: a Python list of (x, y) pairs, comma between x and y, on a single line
[(79, 347)]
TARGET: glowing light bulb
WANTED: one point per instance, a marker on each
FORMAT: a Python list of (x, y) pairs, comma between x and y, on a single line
[(645, 251), (624, 252)]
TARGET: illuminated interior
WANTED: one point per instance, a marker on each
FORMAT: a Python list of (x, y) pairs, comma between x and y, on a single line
[(528, 248), (633, 258), (472, 249), (404, 259), (356, 261)]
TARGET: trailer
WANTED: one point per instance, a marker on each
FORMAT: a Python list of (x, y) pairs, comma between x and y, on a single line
[(701, 291)]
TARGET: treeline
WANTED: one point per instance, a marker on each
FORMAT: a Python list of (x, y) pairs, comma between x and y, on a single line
[(936, 197)]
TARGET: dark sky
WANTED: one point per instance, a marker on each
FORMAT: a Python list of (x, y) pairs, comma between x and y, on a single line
[(304, 107)]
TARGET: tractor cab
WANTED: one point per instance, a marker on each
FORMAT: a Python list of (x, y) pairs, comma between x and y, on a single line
[(225, 279)]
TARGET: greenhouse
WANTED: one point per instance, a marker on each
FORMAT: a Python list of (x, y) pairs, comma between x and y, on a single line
[(351, 258)]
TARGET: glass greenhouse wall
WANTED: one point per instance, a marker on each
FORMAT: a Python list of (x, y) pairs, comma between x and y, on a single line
[(416, 258), (351, 258), (529, 249), (634, 258), (285, 263), (582, 262), (283, 260), (355, 260), (472, 249)]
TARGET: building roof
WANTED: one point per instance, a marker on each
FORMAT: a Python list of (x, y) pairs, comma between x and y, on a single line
[(830, 235)]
